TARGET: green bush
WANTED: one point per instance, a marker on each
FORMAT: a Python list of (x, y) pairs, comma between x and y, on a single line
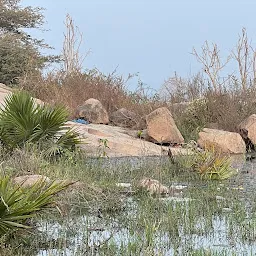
[(210, 164), (192, 119), (20, 54), (24, 121)]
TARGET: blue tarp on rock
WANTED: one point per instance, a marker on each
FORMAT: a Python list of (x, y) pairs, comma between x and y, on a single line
[(81, 121)]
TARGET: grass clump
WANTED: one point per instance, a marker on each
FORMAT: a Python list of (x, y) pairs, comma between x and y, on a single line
[(210, 164)]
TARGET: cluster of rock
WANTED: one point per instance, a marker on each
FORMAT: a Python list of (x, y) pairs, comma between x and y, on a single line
[(160, 129), (118, 129), (160, 125)]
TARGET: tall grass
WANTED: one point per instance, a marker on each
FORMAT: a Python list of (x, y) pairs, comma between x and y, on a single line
[(100, 219)]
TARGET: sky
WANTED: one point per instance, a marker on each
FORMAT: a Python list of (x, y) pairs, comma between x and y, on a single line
[(153, 38)]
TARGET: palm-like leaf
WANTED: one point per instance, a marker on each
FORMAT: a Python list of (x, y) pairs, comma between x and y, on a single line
[(18, 119), (22, 121), (50, 121), (211, 164), (17, 204)]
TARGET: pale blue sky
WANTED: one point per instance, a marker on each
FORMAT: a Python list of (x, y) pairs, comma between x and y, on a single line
[(152, 37)]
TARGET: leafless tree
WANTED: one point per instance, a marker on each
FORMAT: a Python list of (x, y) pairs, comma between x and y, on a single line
[(242, 55), (73, 38), (212, 64)]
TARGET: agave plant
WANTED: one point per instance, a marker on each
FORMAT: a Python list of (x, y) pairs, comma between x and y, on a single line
[(211, 164), (18, 204), (22, 121)]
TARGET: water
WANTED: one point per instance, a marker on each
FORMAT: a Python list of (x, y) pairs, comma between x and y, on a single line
[(87, 233)]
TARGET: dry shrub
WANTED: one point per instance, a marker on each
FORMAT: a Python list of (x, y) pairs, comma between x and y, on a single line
[(225, 108), (73, 90), (230, 109), (177, 89)]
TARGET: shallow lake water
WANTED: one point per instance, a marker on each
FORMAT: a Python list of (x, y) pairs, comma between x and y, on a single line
[(86, 233)]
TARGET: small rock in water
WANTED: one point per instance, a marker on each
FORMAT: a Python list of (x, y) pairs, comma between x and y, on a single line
[(124, 185), (220, 198), (176, 199), (153, 186), (226, 210), (178, 187)]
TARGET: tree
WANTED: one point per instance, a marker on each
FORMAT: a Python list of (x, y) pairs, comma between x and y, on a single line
[(14, 17), (19, 52)]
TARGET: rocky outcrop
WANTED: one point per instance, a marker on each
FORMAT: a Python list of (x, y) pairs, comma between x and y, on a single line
[(226, 142), (162, 128), (250, 125), (93, 111), (123, 118), (118, 142)]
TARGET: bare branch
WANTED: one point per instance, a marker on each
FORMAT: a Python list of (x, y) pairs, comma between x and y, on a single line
[(242, 55), (73, 60), (212, 65)]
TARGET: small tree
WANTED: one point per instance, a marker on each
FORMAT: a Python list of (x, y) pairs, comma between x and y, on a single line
[(19, 52)]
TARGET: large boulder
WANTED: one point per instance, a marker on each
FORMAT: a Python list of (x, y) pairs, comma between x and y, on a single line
[(162, 128), (93, 111), (123, 118), (119, 142), (226, 142), (250, 125)]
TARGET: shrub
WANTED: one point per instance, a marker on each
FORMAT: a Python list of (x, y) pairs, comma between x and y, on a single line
[(18, 204), (210, 164), (23, 121), (192, 119), (110, 90)]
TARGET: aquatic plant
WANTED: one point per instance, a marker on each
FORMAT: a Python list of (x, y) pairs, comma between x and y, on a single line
[(212, 164)]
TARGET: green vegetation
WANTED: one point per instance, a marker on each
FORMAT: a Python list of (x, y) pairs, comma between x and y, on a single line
[(208, 218), (19, 204), (214, 214), (20, 53), (24, 121), (209, 164)]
